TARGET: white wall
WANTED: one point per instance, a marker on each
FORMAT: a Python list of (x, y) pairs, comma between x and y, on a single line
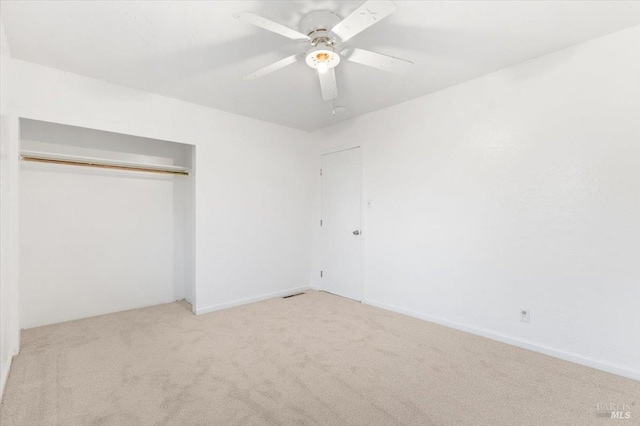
[(95, 241), (520, 189), (9, 147), (252, 202)]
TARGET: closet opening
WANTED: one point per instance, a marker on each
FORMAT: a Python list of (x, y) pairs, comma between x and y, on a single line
[(106, 222)]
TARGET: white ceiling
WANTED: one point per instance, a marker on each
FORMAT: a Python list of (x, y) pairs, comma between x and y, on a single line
[(197, 52)]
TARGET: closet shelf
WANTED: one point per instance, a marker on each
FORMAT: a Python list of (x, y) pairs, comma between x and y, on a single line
[(74, 160)]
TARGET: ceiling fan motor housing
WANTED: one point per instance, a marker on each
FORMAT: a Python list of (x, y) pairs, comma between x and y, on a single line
[(318, 21), (317, 26)]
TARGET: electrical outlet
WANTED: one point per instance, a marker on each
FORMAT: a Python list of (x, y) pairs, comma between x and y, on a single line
[(525, 315)]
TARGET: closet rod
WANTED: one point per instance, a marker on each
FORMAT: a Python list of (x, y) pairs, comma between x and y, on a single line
[(101, 165)]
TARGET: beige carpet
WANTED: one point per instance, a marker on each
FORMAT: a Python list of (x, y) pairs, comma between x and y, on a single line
[(314, 359)]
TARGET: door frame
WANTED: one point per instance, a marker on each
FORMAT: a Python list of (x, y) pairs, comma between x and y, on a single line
[(363, 223)]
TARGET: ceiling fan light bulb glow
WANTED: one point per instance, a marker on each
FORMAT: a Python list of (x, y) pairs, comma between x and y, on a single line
[(322, 58)]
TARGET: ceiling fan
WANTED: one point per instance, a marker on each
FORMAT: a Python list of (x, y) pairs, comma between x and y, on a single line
[(327, 32)]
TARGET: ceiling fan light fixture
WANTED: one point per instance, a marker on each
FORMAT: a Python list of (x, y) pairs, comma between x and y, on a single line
[(322, 58)]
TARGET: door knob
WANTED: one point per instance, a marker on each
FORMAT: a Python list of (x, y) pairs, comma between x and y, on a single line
[(356, 232)]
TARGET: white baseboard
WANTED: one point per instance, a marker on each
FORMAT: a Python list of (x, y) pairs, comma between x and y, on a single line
[(566, 356), (4, 375), (213, 308)]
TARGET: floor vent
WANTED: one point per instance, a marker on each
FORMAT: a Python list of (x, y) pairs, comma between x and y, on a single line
[(292, 295)]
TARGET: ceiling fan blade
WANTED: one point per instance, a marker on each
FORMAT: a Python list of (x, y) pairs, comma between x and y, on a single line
[(259, 21), (363, 17), (377, 60), (328, 84), (271, 68)]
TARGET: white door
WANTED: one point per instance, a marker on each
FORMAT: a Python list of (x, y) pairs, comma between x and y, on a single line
[(341, 232)]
